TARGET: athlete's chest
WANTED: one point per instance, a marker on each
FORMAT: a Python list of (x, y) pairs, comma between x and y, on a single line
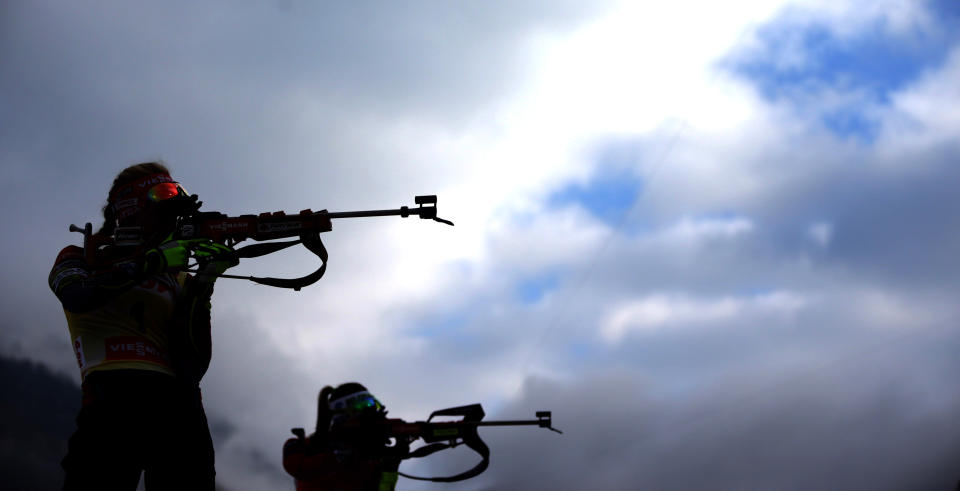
[(154, 298)]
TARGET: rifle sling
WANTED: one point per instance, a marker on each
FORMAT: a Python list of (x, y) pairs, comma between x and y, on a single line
[(472, 440), (311, 241)]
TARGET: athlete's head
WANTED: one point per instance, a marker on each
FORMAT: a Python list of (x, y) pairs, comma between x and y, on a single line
[(137, 198), (352, 400)]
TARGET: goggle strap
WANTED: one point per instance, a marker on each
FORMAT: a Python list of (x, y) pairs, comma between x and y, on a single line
[(130, 198), (341, 403)]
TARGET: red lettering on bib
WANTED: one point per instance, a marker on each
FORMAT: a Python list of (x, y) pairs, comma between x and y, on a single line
[(78, 350), (130, 348)]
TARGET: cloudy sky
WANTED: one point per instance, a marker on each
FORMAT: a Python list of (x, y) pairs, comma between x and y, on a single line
[(718, 239)]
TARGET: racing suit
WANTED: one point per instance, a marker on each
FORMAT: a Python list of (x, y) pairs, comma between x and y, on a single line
[(318, 464), (142, 343)]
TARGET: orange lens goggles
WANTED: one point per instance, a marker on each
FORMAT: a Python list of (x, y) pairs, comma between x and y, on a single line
[(164, 191)]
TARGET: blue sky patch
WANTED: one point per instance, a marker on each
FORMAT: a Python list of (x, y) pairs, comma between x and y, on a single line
[(584, 351), (948, 11), (531, 290), (850, 122), (874, 60), (872, 64), (606, 196)]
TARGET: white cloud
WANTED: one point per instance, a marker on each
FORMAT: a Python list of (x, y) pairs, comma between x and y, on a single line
[(692, 230), (882, 308), (918, 118), (589, 82), (820, 233), (547, 239), (853, 16), (673, 310), (632, 72)]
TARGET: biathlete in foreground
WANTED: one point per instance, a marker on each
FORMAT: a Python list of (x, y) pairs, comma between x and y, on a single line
[(140, 329)]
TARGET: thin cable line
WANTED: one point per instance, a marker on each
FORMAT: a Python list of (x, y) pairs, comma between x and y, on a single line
[(611, 235), (684, 123)]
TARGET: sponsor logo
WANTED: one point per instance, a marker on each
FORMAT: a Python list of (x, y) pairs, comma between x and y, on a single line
[(155, 179), (228, 225), (125, 203), (78, 350), (186, 231), (279, 227), (129, 348), (128, 234)]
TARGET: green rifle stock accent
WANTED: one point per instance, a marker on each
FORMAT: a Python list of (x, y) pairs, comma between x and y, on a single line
[(446, 432)]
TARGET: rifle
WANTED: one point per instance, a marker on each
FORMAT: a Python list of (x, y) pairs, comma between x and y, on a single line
[(437, 436), (307, 225)]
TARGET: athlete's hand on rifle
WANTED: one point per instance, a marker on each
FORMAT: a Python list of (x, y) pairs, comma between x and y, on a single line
[(174, 256), (214, 259), (170, 256)]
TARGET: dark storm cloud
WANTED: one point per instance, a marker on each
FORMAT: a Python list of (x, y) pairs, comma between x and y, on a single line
[(874, 421), (253, 395), (155, 74)]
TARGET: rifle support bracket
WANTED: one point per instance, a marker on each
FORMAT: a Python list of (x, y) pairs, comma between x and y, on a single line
[(429, 211), (545, 420)]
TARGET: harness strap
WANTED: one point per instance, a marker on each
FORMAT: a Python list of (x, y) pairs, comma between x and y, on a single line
[(311, 241), (472, 440)]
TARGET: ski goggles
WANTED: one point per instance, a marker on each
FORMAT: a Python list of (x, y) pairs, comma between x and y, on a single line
[(165, 191), (356, 403), (130, 199)]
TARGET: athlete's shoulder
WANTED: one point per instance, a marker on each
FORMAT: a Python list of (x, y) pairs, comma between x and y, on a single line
[(68, 268), (71, 252)]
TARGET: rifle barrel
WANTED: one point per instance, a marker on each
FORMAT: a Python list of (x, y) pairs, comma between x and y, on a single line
[(374, 213), (544, 422), (515, 422)]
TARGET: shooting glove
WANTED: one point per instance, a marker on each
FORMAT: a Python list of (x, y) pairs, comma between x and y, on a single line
[(214, 259), (171, 255)]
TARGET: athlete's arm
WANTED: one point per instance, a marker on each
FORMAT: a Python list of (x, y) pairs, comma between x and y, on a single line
[(307, 464), (190, 338), (81, 288)]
